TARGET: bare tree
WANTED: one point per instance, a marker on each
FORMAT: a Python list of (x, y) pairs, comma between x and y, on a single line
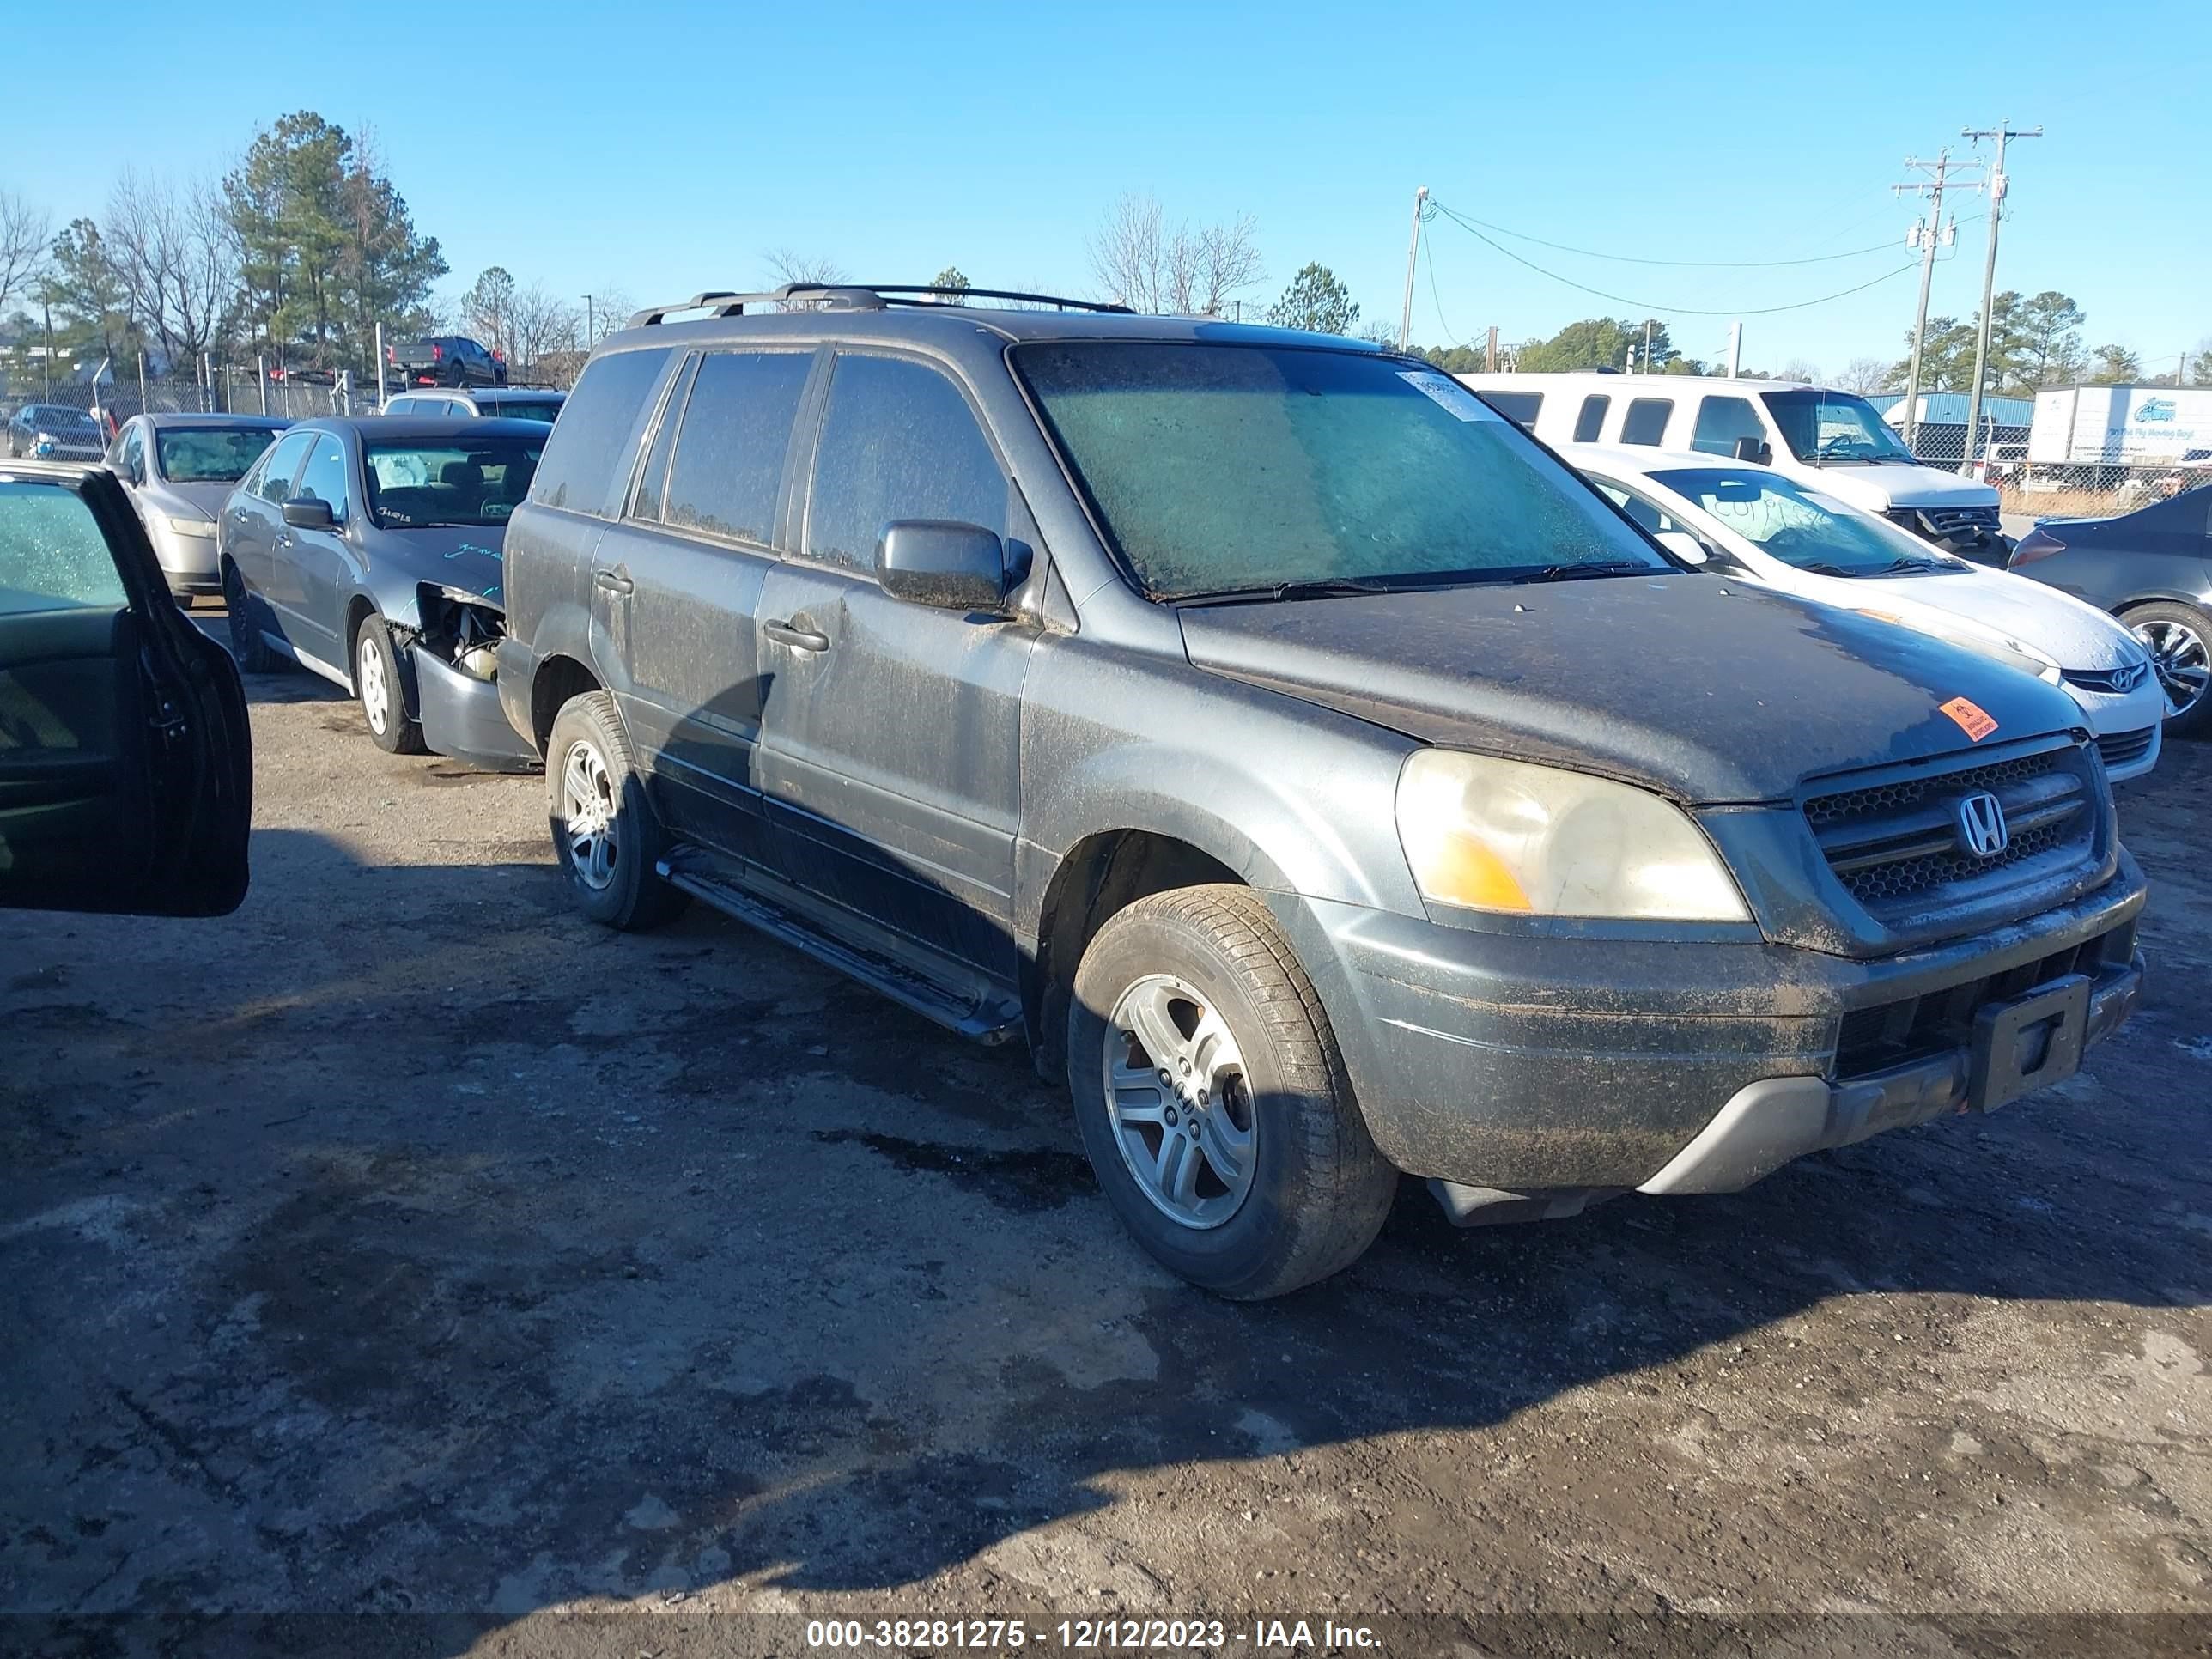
[(540, 327), (786, 265), (24, 232), (608, 307), (1864, 374), (174, 250), (1188, 270), (1798, 369)]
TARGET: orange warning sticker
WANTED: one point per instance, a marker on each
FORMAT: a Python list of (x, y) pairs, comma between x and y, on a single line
[(1972, 719)]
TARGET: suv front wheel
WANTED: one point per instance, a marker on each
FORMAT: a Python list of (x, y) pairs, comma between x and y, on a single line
[(603, 831), (1212, 1099)]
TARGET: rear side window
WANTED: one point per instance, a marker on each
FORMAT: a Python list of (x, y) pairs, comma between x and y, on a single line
[(52, 557), (899, 441), (1646, 419), (729, 455), (652, 482), (587, 443), (1517, 406), (1591, 421), (1721, 422)]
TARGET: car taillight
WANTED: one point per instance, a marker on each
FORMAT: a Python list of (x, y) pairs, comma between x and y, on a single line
[(392, 354), (437, 354), (2036, 544)]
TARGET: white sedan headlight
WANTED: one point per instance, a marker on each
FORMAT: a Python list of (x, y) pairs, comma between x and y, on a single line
[(1507, 836), (185, 527)]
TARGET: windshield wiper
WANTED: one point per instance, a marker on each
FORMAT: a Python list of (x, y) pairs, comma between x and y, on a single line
[(1569, 573), (1329, 587)]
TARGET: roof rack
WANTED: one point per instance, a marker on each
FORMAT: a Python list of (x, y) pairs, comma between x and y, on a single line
[(860, 296)]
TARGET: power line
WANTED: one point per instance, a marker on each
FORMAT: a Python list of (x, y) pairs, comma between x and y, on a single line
[(1646, 305), (1635, 259)]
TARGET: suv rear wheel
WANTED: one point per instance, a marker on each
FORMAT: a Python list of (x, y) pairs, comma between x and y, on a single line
[(603, 831), (1212, 1099)]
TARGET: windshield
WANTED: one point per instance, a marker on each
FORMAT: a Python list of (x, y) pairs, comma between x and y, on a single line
[(58, 418), (541, 409), (453, 481), (1799, 526), (1834, 426), (210, 454), (1240, 468)]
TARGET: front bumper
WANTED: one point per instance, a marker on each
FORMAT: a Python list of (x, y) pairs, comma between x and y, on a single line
[(1533, 1063), (460, 717)]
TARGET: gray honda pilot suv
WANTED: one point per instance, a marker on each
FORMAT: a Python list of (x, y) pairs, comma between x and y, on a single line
[(1298, 755)]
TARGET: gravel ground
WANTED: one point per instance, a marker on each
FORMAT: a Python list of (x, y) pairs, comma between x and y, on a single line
[(403, 1244)]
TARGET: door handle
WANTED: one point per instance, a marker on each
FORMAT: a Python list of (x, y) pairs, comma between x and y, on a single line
[(613, 580), (797, 638)]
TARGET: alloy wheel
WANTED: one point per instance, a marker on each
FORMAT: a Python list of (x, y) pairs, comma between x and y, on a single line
[(587, 811), (375, 688), (2181, 659), (1179, 1101)]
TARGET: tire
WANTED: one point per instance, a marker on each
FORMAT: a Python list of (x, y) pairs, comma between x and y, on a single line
[(588, 759), (2179, 640), (1305, 1190), (381, 692), (248, 648)]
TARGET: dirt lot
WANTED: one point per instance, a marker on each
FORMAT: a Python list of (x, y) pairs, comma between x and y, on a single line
[(405, 1244)]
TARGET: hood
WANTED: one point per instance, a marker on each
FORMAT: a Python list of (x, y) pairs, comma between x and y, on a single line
[(464, 558), (2071, 634), (186, 499), (1704, 689), (1893, 483)]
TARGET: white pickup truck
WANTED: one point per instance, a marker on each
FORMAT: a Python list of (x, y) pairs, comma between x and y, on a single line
[(1833, 441)]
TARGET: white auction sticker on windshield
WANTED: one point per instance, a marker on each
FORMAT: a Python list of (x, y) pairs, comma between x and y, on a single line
[(1449, 394)]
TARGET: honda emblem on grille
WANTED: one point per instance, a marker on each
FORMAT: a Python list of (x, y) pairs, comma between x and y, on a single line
[(1982, 825)]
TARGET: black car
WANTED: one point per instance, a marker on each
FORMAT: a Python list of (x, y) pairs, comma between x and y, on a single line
[(1325, 781), (446, 360), (369, 551), (2152, 569), (55, 432), (126, 767)]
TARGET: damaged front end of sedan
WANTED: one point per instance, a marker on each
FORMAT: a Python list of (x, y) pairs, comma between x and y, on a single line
[(454, 650)]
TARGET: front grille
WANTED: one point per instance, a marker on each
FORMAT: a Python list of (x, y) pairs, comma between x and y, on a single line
[(2116, 681), (2125, 748), (1897, 848), (1944, 521), (1895, 1033)]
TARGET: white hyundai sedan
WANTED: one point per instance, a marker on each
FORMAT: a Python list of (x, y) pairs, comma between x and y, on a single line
[(1747, 522)]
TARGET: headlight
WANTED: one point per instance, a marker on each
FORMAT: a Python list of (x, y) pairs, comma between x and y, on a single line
[(191, 526), (1506, 836), (43, 446)]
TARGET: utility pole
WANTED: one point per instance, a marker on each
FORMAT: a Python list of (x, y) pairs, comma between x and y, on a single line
[(1490, 351), (2004, 131), (46, 303), (1647, 345), (1412, 252), (1925, 235), (590, 322), (1735, 348)]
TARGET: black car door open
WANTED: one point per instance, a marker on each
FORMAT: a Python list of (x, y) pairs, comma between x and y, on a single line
[(126, 779)]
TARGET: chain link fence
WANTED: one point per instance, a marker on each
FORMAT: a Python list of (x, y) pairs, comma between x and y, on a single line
[(2051, 489), (233, 389)]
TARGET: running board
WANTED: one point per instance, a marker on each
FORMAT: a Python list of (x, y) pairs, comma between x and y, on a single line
[(979, 1017)]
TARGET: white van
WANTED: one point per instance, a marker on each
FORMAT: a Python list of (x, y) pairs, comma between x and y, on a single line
[(1832, 440)]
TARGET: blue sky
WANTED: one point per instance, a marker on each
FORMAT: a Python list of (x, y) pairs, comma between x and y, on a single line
[(663, 150)]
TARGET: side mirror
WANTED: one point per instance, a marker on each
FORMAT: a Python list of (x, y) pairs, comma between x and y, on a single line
[(1684, 546), (307, 513), (947, 566), (1757, 451)]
